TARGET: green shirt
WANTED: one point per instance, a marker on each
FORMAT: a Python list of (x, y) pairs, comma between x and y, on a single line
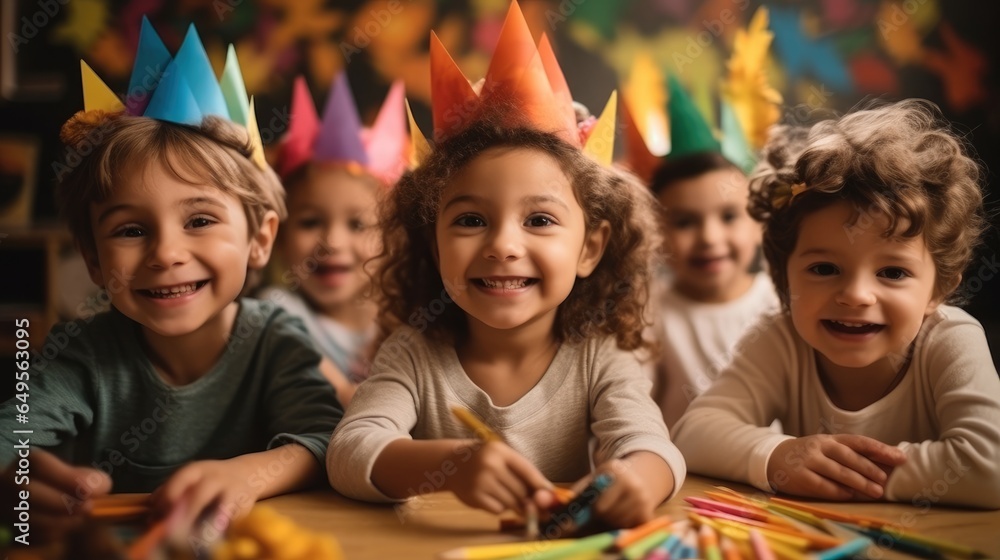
[(95, 399)]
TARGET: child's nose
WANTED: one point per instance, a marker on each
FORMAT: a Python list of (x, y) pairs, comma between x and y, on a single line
[(856, 292), (167, 250), (504, 243), (710, 232)]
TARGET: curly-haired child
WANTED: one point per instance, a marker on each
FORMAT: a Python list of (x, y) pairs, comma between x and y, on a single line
[(882, 388), (515, 281)]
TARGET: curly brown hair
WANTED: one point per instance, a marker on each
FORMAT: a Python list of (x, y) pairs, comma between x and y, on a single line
[(112, 147), (898, 160), (610, 302)]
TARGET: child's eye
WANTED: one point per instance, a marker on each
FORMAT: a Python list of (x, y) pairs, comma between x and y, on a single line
[(682, 223), (309, 223), (200, 222), (356, 225), (540, 221), (470, 220), (128, 231), (823, 269), (729, 217), (893, 273)]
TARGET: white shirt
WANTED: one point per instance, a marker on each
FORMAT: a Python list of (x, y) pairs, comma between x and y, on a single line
[(698, 341), (944, 414)]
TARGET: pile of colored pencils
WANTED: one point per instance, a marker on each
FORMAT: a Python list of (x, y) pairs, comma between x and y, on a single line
[(726, 525)]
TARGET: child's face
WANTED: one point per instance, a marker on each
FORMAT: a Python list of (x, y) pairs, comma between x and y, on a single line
[(856, 297), (172, 255), (711, 240), (511, 238), (329, 234)]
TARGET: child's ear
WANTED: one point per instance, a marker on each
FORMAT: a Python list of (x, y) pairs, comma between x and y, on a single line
[(593, 249), (936, 301), (93, 266), (262, 243)]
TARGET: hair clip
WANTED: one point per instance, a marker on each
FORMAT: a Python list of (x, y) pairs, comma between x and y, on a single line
[(785, 193)]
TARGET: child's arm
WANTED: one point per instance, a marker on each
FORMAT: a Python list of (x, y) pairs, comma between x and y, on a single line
[(374, 457), (632, 441), (231, 487), (345, 389), (961, 466), (724, 432), (489, 476)]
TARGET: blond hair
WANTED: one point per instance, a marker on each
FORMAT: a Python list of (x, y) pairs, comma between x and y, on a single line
[(216, 153), (900, 160)]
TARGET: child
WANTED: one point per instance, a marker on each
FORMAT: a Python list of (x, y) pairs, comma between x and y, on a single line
[(714, 295), (518, 268), (334, 173), (884, 391), (714, 288), (182, 388)]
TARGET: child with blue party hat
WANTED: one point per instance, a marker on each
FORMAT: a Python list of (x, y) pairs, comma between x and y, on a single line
[(715, 289), (183, 389), (334, 171)]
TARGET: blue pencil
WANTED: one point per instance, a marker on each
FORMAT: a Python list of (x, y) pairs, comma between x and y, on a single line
[(846, 550)]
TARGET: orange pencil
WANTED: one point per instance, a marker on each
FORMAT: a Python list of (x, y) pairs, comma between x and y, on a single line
[(833, 515), (638, 533), (118, 512)]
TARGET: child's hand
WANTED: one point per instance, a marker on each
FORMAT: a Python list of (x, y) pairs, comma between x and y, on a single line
[(205, 487), (59, 494), (496, 478), (833, 467), (628, 501)]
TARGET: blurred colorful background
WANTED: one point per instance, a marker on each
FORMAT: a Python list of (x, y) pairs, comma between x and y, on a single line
[(827, 56)]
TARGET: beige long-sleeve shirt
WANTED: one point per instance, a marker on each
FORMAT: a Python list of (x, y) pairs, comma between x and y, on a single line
[(944, 414), (590, 390)]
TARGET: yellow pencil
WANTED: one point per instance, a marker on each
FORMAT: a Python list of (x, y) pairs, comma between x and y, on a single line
[(471, 421), (505, 550)]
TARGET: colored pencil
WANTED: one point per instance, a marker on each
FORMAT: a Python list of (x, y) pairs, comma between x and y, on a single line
[(938, 544), (791, 541), (486, 434), (729, 549), (505, 550), (592, 543), (831, 514), (471, 421), (845, 550), (709, 542), (111, 512), (816, 540), (727, 508), (642, 547), (579, 509), (886, 540), (761, 549), (637, 533)]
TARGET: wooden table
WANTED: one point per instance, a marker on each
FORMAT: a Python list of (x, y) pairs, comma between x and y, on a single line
[(429, 525)]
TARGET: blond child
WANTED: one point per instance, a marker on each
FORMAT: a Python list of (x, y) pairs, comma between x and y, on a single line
[(884, 390), (184, 388), (518, 269)]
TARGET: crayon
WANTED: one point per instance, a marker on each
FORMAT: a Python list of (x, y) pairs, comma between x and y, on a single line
[(578, 511)]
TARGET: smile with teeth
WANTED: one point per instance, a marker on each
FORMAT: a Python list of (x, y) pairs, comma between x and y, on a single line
[(177, 291), (849, 327), (506, 284)]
